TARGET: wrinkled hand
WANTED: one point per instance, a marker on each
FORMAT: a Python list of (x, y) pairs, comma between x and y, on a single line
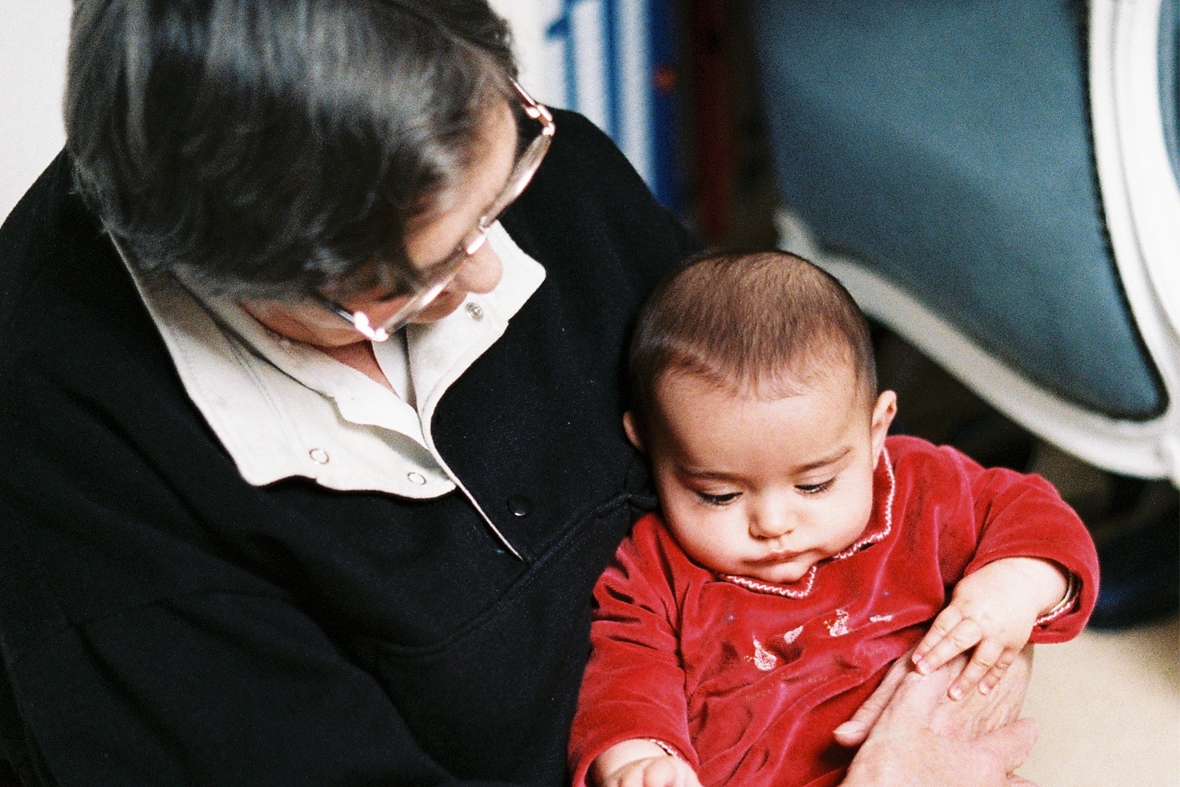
[(992, 610), (923, 740), (854, 731), (963, 720)]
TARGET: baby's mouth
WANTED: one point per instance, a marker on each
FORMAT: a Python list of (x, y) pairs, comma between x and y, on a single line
[(775, 558)]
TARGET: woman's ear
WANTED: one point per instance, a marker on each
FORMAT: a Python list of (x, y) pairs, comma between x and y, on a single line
[(883, 413), (632, 429)]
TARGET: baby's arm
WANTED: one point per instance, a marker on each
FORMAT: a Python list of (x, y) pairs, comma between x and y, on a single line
[(633, 689), (994, 611), (640, 763)]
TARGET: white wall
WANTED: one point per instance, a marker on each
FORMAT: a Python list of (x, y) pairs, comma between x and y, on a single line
[(541, 58), (34, 36)]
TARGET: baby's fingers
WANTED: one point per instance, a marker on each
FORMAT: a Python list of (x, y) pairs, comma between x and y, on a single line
[(986, 655), (942, 625), (996, 673), (964, 634)]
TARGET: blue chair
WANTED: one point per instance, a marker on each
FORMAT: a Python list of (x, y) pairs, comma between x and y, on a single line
[(998, 183)]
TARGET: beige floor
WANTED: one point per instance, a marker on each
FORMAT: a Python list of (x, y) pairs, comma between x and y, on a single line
[(1109, 709)]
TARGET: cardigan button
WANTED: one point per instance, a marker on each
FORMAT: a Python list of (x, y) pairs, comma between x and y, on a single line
[(520, 505), (474, 311)]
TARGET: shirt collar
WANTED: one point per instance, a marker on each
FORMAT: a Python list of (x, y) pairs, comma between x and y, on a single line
[(284, 409)]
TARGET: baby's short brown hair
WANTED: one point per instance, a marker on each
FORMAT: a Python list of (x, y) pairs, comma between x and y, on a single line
[(760, 323)]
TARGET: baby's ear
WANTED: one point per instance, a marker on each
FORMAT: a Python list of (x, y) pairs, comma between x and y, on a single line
[(883, 413), (632, 429)]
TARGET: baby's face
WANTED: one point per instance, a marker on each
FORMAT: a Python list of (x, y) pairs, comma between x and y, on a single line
[(765, 488)]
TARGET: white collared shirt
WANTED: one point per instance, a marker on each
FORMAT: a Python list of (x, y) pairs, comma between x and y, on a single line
[(282, 408)]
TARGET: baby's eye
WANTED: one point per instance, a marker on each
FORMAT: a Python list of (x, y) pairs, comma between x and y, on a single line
[(718, 500), (815, 489)]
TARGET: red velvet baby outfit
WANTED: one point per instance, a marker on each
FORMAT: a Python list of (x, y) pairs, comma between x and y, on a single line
[(746, 681)]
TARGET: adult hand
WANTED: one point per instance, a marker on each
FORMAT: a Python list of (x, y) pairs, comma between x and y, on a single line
[(978, 716), (854, 731), (923, 739)]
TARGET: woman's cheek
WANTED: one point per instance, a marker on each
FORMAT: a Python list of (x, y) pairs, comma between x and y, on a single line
[(443, 306)]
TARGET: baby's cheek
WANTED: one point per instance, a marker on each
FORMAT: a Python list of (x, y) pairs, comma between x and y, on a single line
[(711, 550)]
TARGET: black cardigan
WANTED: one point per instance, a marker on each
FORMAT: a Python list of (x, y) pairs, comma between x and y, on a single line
[(164, 622)]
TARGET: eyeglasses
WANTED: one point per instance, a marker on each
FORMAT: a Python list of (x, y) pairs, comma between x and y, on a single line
[(432, 281)]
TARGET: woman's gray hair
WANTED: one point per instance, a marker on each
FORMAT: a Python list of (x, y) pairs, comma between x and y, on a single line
[(271, 148)]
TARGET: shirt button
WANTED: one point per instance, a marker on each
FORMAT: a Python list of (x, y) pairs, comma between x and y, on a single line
[(319, 456), (416, 478), (474, 311), (520, 505)]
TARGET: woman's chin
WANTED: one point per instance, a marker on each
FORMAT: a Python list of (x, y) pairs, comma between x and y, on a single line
[(312, 326)]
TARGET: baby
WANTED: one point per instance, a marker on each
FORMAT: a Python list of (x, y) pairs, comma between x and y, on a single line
[(798, 550)]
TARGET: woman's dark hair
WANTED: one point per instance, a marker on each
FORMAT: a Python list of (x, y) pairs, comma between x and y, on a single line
[(272, 147), (758, 323)]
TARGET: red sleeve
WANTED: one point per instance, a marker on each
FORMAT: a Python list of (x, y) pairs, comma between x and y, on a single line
[(1009, 514), (634, 684)]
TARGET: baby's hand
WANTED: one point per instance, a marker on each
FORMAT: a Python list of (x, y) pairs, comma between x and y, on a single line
[(639, 763), (992, 610)]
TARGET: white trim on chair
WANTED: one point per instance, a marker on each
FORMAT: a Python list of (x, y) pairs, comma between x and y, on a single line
[(1140, 191)]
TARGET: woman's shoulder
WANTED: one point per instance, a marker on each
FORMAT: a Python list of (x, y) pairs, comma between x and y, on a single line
[(585, 168), (68, 306), (589, 213), (578, 140), (45, 226)]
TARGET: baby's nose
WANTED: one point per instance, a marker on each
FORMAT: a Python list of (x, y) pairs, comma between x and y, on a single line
[(769, 525)]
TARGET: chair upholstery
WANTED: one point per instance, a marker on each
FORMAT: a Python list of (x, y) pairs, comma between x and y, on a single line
[(938, 157)]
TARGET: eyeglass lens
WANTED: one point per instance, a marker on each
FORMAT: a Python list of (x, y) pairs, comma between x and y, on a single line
[(440, 275)]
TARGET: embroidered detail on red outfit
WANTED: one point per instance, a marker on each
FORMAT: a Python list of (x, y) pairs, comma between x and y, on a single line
[(778, 590), (763, 658), (809, 577), (839, 626), (792, 635)]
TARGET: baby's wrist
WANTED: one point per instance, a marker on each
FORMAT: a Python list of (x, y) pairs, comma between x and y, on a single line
[(1041, 584), (1068, 597), (1053, 586)]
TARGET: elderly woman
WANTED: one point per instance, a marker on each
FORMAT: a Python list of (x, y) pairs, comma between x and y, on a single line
[(309, 408)]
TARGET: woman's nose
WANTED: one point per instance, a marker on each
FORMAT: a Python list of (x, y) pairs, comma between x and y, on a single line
[(480, 273)]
